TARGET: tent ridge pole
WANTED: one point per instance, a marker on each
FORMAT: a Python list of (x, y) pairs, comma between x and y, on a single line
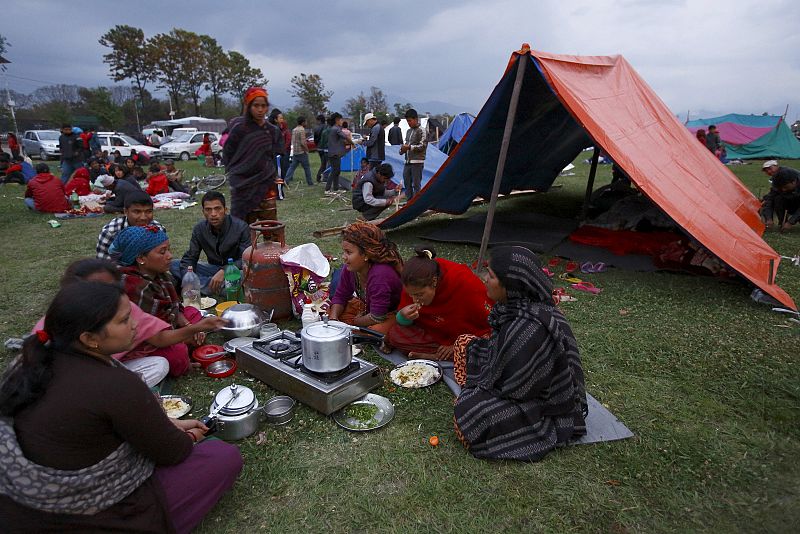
[(590, 183), (501, 160)]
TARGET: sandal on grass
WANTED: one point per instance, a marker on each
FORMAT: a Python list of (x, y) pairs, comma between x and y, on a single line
[(560, 295), (588, 287), (554, 262), (569, 278), (571, 266), (589, 267)]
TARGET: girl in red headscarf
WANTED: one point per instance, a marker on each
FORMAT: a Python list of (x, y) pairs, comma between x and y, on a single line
[(205, 151), (249, 154)]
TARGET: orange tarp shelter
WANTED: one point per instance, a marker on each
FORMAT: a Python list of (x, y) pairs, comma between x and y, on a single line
[(566, 103)]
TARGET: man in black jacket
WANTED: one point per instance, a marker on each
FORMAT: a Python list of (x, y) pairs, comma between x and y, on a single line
[(71, 147), (396, 133), (376, 142), (220, 236)]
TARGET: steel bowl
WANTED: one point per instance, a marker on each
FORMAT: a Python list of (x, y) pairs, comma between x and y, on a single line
[(280, 410), (244, 320)]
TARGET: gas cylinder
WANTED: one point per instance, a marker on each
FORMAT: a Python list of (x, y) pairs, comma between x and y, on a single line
[(263, 279)]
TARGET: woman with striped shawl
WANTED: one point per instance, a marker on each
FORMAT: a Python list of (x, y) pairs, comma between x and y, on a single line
[(523, 390), (250, 153)]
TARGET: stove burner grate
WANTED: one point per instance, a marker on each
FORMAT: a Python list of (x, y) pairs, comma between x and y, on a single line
[(279, 349), (332, 377)]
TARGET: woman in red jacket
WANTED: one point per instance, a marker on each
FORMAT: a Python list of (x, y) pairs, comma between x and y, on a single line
[(441, 300), (13, 144)]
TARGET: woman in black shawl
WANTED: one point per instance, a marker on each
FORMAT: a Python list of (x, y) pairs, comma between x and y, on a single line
[(250, 154), (523, 389)]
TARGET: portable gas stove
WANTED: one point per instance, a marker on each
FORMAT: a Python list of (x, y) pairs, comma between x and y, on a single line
[(278, 361)]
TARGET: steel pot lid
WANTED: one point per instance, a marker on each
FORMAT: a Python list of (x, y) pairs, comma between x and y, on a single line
[(332, 330), (243, 403)]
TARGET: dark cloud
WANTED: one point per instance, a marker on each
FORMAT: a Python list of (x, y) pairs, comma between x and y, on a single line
[(697, 55)]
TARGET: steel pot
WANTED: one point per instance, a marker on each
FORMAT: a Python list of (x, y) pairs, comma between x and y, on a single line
[(234, 418), (244, 320), (328, 345)]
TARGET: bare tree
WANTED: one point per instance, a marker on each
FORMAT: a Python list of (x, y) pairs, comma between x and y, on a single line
[(376, 103), (355, 107), (310, 92)]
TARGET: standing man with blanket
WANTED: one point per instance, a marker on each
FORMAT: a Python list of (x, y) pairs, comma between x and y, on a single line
[(414, 149)]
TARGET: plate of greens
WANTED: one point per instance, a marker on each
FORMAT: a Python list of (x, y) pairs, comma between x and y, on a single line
[(370, 412)]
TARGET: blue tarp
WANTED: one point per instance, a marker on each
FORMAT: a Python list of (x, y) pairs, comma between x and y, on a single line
[(455, 132), (544, 139), (352, 160), (433, 160)]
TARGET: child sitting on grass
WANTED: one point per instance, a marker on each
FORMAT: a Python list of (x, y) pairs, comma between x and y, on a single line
[(156, 181)]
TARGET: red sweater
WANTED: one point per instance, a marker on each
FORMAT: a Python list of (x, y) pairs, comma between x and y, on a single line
[(460, 306), (48, 193), (157, 184), (79, 183)]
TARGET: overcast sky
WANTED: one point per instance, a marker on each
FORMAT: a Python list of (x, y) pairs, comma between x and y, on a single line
[(705, 56)]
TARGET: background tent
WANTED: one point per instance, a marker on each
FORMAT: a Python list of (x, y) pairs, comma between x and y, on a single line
[(434, 158), (403, 124), (569, 102), (455, 132), (752, 136), (351, 161)]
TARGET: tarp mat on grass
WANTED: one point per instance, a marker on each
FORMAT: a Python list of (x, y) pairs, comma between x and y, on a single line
[(536, 231), (601, 425)]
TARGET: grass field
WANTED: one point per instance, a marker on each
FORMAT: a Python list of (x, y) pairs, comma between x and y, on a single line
[(704, 377)]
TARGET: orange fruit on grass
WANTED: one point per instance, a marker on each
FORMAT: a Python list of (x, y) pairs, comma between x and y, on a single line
[(434, 441)]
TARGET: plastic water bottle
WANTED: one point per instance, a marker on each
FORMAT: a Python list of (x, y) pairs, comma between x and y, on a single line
[(233, 280), (190, 289), (75, 200), (309, 315)]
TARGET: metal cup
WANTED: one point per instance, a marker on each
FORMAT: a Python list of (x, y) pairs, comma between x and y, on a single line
[(268, 329)]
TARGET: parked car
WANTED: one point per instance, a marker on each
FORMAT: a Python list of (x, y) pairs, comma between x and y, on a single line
[(185, 145), (112, 141), (41, 143)]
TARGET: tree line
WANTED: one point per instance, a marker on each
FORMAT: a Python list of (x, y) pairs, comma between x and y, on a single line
[(194, 70), (181, 62)]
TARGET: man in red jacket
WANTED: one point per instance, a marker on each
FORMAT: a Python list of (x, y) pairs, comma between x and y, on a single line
[(45, 192)]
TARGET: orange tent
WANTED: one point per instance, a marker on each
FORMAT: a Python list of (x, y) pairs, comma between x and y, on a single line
[(566, 101)]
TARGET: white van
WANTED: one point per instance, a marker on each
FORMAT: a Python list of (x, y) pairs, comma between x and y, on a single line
[(112, 141), (183, 146)]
